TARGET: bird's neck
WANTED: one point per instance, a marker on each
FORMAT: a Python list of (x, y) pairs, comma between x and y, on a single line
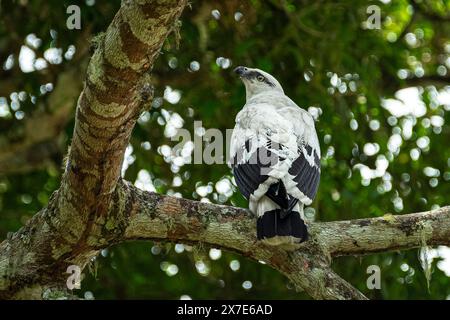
[(252, 90), (265, 96)]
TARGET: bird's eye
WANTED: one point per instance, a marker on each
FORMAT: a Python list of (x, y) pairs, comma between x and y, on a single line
[(260, 78)]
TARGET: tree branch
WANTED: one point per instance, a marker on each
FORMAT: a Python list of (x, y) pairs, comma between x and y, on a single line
[(160, 217), (429, 14), (387, 233), (157, 216), (428, 80)]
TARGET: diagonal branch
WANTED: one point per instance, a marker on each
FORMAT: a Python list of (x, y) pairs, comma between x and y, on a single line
[(434, 16), (76, 219)]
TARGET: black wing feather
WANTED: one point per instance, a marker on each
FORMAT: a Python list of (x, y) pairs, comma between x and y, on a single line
[(306, 176), (250, 174)]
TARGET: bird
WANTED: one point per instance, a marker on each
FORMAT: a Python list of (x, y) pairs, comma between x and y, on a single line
[(275, 159)]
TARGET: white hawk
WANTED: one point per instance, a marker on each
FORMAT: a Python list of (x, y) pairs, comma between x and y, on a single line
[(275, 157)]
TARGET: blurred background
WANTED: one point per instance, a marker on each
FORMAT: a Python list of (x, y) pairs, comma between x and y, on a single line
[(374, 74)]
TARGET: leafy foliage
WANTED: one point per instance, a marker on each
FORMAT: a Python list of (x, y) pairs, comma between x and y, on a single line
[(381, 98)]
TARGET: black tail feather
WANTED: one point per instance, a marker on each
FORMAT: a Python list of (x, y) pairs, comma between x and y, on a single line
[(271, 225), (278, 194)]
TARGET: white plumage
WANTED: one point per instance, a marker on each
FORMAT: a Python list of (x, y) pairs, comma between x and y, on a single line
[(275, 156)]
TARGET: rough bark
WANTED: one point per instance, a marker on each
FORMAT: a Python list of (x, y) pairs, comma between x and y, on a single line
[(159, 217), (387, 233), (94, 208), (117, 88), (430, 14)]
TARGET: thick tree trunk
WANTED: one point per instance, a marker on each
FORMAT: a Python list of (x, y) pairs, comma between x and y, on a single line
[(75, 223)]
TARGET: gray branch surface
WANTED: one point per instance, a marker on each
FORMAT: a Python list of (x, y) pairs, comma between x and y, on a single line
[(159, 217), (94, 208)]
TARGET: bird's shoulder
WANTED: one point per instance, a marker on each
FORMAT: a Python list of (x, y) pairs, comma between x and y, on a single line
[(291, 110), (260, 114), (278, 114), (280, 104)]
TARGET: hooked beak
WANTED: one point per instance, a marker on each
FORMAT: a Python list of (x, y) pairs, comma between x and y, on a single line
[(240, 71)]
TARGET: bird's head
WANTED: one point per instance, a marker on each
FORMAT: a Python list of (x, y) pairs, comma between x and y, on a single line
[(257, 81)]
